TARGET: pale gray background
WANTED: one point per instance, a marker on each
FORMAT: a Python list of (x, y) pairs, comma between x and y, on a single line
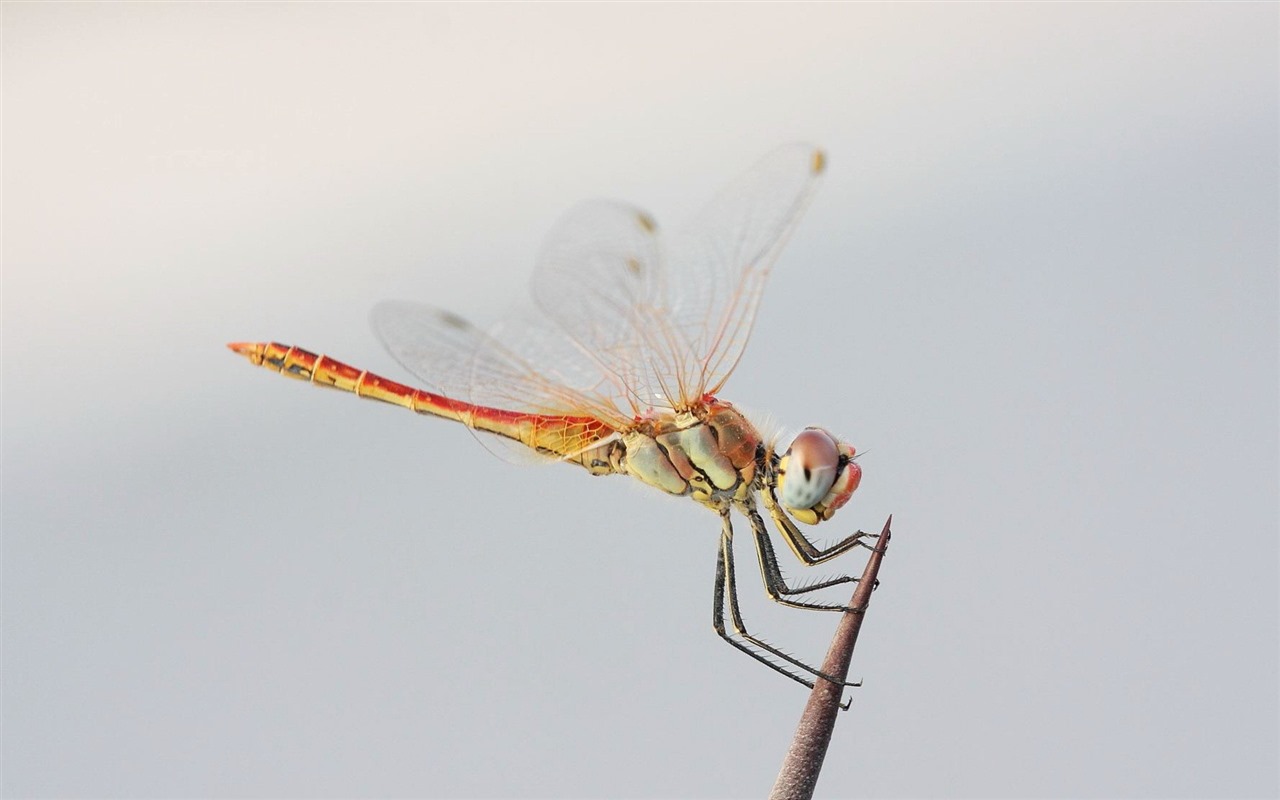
[(1038, 287)]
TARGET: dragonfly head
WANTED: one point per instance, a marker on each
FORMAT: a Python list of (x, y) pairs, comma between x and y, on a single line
[(816, 475)]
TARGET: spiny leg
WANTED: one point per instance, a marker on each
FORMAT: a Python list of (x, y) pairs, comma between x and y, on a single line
[(727, 585), (775, 585), (804, 549)]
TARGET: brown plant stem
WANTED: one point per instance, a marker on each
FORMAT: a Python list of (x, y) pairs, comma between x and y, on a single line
[(799, 774)]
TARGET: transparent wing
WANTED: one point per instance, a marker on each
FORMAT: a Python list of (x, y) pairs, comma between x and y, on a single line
[(525, 366), (719, 262), (664, 321), (599, 282), (622, 320)]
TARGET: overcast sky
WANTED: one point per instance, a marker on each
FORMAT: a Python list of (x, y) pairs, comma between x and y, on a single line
[(1038, 287)]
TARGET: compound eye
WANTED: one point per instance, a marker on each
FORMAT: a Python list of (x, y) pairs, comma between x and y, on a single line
[(812, 463)]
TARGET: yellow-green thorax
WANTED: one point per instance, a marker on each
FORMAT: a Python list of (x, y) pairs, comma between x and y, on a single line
[(709, 453)]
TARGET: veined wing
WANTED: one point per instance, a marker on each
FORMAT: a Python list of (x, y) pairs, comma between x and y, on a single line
[(457, 359), (665, 320)]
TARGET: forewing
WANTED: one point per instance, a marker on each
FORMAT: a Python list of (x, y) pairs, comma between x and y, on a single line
[(718, 263)]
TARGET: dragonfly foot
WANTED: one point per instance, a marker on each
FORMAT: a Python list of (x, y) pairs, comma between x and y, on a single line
[(852, 609), (845, 705)]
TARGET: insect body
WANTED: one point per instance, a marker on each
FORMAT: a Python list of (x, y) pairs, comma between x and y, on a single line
[(616, 367)]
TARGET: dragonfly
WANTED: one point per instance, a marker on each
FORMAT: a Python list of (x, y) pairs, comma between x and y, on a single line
[(616, 363)]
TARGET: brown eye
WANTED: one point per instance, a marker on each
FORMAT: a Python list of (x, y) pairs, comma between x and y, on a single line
[(812, 464)]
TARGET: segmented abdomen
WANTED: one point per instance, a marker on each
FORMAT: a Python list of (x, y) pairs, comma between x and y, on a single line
[(566, 436)]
